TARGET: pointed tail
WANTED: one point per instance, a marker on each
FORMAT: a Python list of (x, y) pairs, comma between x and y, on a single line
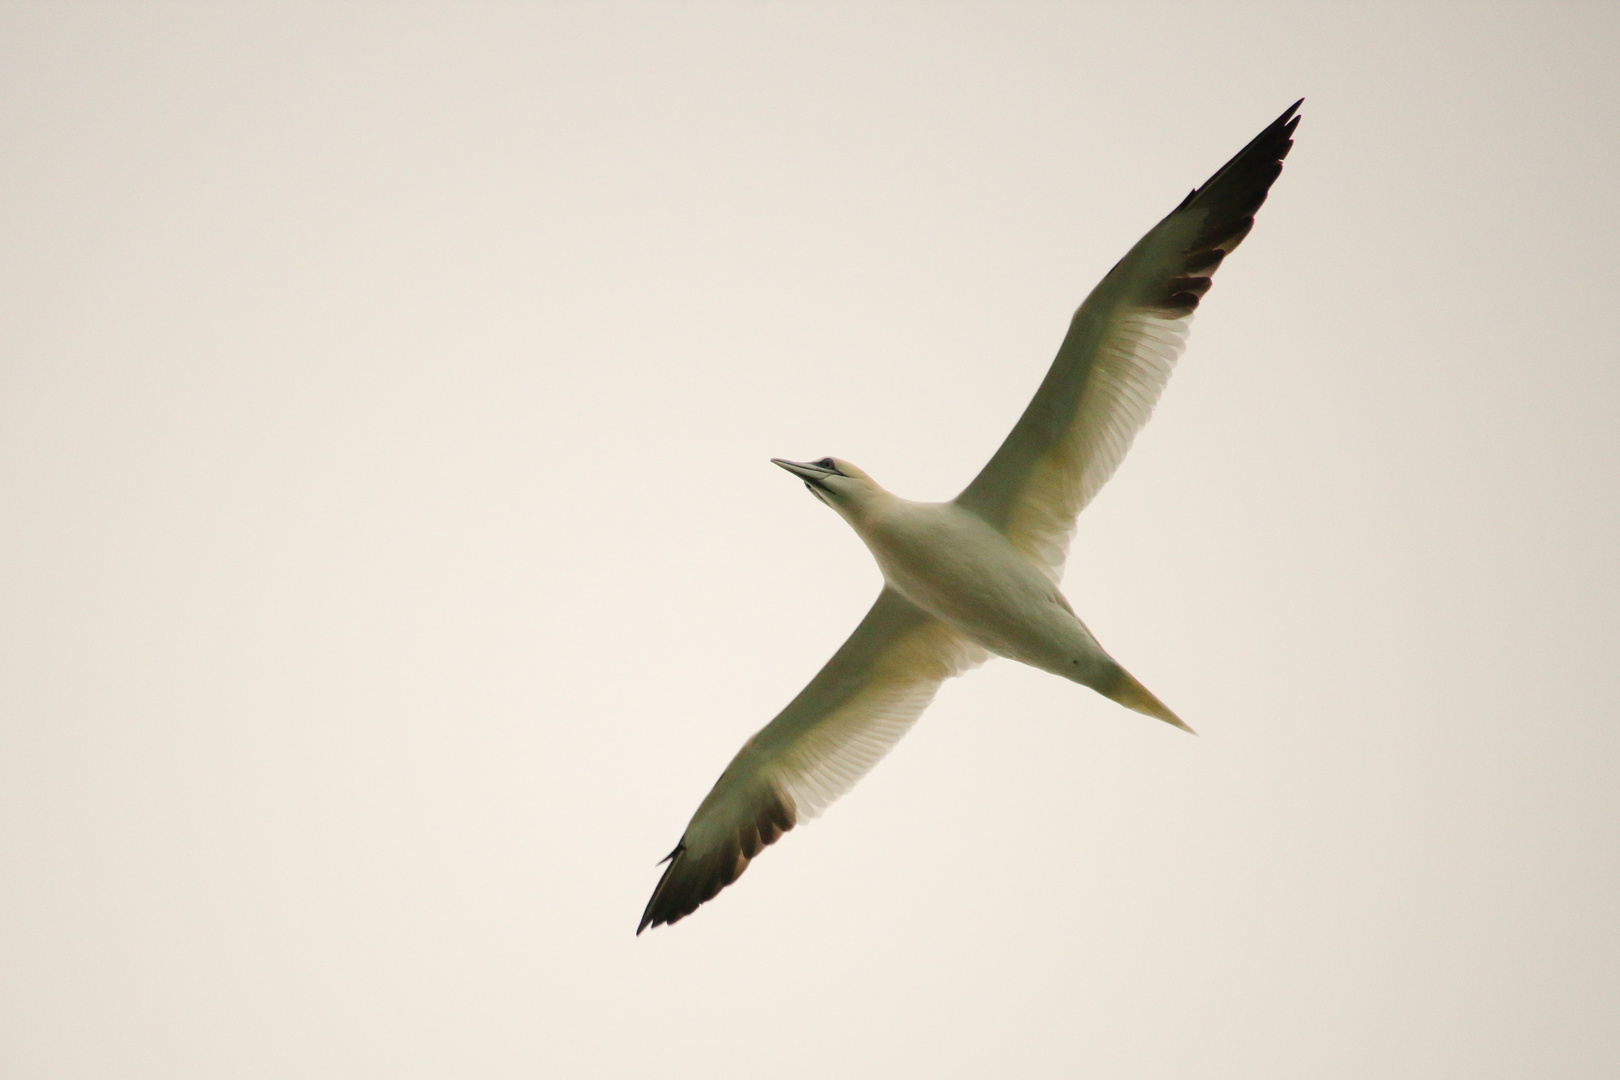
[(1133, 695)]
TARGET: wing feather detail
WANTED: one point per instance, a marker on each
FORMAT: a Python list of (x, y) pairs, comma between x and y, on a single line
[(838, 727), (1120, 349)]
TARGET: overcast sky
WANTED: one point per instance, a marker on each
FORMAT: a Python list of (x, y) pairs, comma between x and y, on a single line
[(390, 559)]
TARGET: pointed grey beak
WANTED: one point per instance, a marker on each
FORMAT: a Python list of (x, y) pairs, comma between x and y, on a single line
[(809, 472), (812, 474)]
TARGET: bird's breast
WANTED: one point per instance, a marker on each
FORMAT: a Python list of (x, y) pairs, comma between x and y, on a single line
[(955, 566)]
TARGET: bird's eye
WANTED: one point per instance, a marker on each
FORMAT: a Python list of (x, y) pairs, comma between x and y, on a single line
[(825, 463)]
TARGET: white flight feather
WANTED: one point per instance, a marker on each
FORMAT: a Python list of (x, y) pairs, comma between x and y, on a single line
[(1109, 372), (1130, 371), (833, 753), (842, 724)]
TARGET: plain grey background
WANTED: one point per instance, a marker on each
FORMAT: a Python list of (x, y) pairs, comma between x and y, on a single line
[(390, 559)]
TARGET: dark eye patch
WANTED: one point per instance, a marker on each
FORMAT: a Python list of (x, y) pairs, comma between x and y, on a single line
[(825, 463)]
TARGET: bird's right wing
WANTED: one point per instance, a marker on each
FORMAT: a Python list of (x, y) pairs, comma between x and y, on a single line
[(1117, 357), (839, 726)]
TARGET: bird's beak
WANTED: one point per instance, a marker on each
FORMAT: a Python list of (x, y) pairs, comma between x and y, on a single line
[(808, 472), (804, 470)]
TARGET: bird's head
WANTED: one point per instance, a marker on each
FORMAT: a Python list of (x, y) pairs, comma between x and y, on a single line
[(834, 481)]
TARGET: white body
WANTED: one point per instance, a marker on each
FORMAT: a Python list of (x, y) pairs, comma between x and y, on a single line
[(951, 563)]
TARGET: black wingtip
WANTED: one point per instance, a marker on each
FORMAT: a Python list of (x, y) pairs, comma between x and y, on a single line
[(1239, 187), (647, 915), (1287, 119), (693, 878), (1225, 206)]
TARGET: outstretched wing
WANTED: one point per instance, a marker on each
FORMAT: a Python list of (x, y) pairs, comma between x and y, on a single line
[(855, 709), (1117, 357)]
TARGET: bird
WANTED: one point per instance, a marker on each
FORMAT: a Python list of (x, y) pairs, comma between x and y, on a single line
[(979, 576)]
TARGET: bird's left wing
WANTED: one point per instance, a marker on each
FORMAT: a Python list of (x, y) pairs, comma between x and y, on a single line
[(839, 726), (1117, 357)]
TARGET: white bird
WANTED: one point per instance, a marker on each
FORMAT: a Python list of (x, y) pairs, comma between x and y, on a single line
[(979, 575)]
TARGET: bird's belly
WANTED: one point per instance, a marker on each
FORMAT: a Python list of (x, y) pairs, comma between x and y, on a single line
[(981, 587)]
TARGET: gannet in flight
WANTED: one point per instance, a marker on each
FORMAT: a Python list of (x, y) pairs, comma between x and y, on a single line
[(978, 576)]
